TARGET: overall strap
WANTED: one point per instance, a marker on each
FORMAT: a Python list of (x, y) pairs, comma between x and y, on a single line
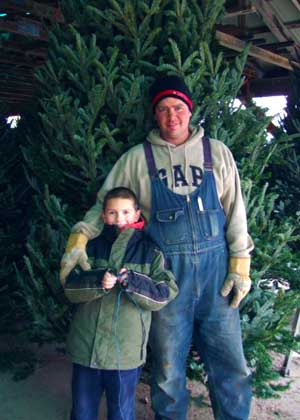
[(207, 154), (150, 159)]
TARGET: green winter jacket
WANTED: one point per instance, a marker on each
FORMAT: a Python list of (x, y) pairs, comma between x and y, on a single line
[(110, 329)]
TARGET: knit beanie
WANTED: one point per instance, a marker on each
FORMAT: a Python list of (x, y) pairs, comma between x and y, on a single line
[(172, 86)]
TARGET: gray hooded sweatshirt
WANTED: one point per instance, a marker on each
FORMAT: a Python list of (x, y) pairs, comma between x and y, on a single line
[(181, 168)]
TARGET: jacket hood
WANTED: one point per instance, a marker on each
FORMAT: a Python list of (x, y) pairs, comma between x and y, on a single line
[(155, 139)]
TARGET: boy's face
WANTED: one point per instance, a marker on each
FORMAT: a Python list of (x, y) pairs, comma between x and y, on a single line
[(120, 212)]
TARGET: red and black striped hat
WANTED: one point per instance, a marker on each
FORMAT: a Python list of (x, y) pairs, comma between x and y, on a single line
[(172, 86)]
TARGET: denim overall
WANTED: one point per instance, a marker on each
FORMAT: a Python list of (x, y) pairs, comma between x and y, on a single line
[(190, 230)]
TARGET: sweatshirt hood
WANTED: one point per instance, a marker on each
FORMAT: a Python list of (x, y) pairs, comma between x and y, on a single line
[(155, 139)]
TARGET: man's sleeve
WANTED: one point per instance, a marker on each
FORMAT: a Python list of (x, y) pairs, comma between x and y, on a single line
[(239, 241), (121, 175), (155, 291)]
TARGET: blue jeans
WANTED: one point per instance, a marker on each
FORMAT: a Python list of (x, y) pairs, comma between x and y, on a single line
[(89, 384), (203, 315)]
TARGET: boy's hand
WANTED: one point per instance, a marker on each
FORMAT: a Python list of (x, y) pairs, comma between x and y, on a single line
[(109, 280)]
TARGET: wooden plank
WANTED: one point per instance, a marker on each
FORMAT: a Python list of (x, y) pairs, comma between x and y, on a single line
[(295, 24), (37, 9), (26, 27), (269, 86), (27, 50), (278, 45), (16, 87), (273, 21), (240, 11), (296, 4), (236, 44), (21, 62), (13, 98)]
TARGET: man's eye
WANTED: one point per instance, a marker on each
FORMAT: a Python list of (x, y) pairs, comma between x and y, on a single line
[(162, 109)]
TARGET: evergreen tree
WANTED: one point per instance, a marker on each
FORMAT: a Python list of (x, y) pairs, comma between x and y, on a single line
[(94, 106), (14, 199)]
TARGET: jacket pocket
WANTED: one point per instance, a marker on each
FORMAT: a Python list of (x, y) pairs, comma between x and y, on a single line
[(172, 225), (208, 223)]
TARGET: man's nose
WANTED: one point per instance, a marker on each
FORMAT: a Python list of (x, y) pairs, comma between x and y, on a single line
[(171, 113)]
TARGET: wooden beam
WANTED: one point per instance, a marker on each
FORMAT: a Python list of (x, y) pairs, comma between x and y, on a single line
[(26, 27), (21, 62), (293, 25), (11, 75), (240, 11), (234, 30), (27, 50), (278, 45), (296, 4), (13, 98), (37, 9), (16, 86), (273, 21), (236, 44), (269, 86)]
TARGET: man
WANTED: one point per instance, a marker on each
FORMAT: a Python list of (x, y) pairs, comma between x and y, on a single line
[(192, 198)]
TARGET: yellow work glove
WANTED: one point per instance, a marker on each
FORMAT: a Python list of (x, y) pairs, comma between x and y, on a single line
[(75, 254), (237, 279)]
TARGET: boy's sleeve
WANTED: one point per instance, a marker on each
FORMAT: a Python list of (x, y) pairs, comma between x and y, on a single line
[(84, 286), (152, 292)]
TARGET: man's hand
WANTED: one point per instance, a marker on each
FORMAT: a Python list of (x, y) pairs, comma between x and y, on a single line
[(237, 280), (75, 254)]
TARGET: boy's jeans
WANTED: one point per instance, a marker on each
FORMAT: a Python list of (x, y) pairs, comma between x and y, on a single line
[(89, 384)]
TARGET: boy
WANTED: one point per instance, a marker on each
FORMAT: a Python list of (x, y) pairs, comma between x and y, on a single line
[(109, 332)]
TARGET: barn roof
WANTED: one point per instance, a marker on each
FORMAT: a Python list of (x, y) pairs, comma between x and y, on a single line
[(272, 27)]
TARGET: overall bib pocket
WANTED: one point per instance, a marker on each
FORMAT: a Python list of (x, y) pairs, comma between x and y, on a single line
[(208, 223), (172, 225)]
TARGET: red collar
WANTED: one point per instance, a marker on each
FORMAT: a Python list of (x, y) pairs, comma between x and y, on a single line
[(136, 225)]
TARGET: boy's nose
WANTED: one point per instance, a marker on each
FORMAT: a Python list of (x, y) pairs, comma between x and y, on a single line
[(119, 217)]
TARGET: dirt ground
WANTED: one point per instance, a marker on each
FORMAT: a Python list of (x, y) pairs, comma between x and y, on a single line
[(45, 395)]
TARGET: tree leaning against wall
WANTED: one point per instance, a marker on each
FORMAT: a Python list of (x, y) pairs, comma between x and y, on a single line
[(94, 106)]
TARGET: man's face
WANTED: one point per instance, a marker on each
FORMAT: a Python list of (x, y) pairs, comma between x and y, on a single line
[(120, 212), (173, 118)]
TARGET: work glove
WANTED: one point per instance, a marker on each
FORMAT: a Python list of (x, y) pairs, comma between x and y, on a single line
[(237, 279), (75, 254)]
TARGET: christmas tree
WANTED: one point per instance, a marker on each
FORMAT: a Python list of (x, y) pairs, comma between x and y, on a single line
[(15, 201), (94, 106)]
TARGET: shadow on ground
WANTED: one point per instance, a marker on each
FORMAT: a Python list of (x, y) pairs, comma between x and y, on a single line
[(45, 395)]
